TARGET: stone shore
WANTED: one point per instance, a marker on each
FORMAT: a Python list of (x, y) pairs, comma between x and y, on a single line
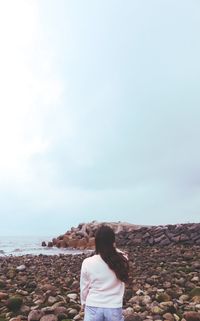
[(164, 284), (82, 237)]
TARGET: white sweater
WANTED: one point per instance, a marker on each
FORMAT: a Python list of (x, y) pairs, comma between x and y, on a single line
[(99, 285)]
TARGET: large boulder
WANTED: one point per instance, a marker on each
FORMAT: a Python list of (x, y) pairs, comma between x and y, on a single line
[(192, 316)]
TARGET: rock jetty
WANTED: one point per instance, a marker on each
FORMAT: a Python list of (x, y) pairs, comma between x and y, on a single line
[(82, 237)]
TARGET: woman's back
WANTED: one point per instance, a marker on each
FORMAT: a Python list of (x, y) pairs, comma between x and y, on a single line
[(102, 279), (104, 288)]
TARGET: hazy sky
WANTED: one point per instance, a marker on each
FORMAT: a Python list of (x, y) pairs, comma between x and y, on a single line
[(99, 113)]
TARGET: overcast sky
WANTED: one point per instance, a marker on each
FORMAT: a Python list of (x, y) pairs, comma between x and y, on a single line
[(99, 113)]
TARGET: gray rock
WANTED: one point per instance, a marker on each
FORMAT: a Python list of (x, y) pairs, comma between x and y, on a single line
[(72, 296), (35, 315), (49, 317), (21, 268)]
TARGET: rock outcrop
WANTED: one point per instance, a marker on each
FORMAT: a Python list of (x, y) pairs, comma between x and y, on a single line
[(82, 237)]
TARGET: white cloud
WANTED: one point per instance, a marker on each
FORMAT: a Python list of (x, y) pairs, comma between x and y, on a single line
[(28, 88)]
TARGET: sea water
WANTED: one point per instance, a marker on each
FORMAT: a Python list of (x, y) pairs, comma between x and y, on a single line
[(22, 245)]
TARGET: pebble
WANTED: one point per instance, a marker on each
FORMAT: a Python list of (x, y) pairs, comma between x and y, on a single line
[(72, 312), (35, 315), (21, 268), (16, 319), (3, 295), (49, 317), (52, 300), (163, 285), (72, 296), (192, 316), (168, 316)]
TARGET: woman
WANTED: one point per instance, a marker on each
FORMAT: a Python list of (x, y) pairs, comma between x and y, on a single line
[(102, 279)]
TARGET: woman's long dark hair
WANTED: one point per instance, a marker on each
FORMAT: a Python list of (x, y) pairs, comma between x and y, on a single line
[(104, 243)]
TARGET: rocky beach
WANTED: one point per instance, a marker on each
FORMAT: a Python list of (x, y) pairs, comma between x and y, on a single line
[(164, 282)]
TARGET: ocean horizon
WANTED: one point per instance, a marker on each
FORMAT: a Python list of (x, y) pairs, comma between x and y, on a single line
[(25, 245)]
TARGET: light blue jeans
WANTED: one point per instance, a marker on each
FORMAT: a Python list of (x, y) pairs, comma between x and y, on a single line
[(103, 314)]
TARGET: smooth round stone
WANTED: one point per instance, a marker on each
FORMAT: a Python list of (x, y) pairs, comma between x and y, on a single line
[(72, 296), (134, 299), (183, 298), (25, 309), (18, 318), (137, 308), (166, 304), (156, 310), (49, 317), (52, 300), (35, 307), (196, 299), (21, 268), (128, 311), (60, 310), (22, 292), (38, 301), (77, 317), (168, 317), (35, 315), (47, 310), (3, 295), (191, 316), (146, 299), (72, 312), (176, 317)]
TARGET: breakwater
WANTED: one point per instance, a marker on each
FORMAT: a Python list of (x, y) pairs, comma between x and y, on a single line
[(82, 237)]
